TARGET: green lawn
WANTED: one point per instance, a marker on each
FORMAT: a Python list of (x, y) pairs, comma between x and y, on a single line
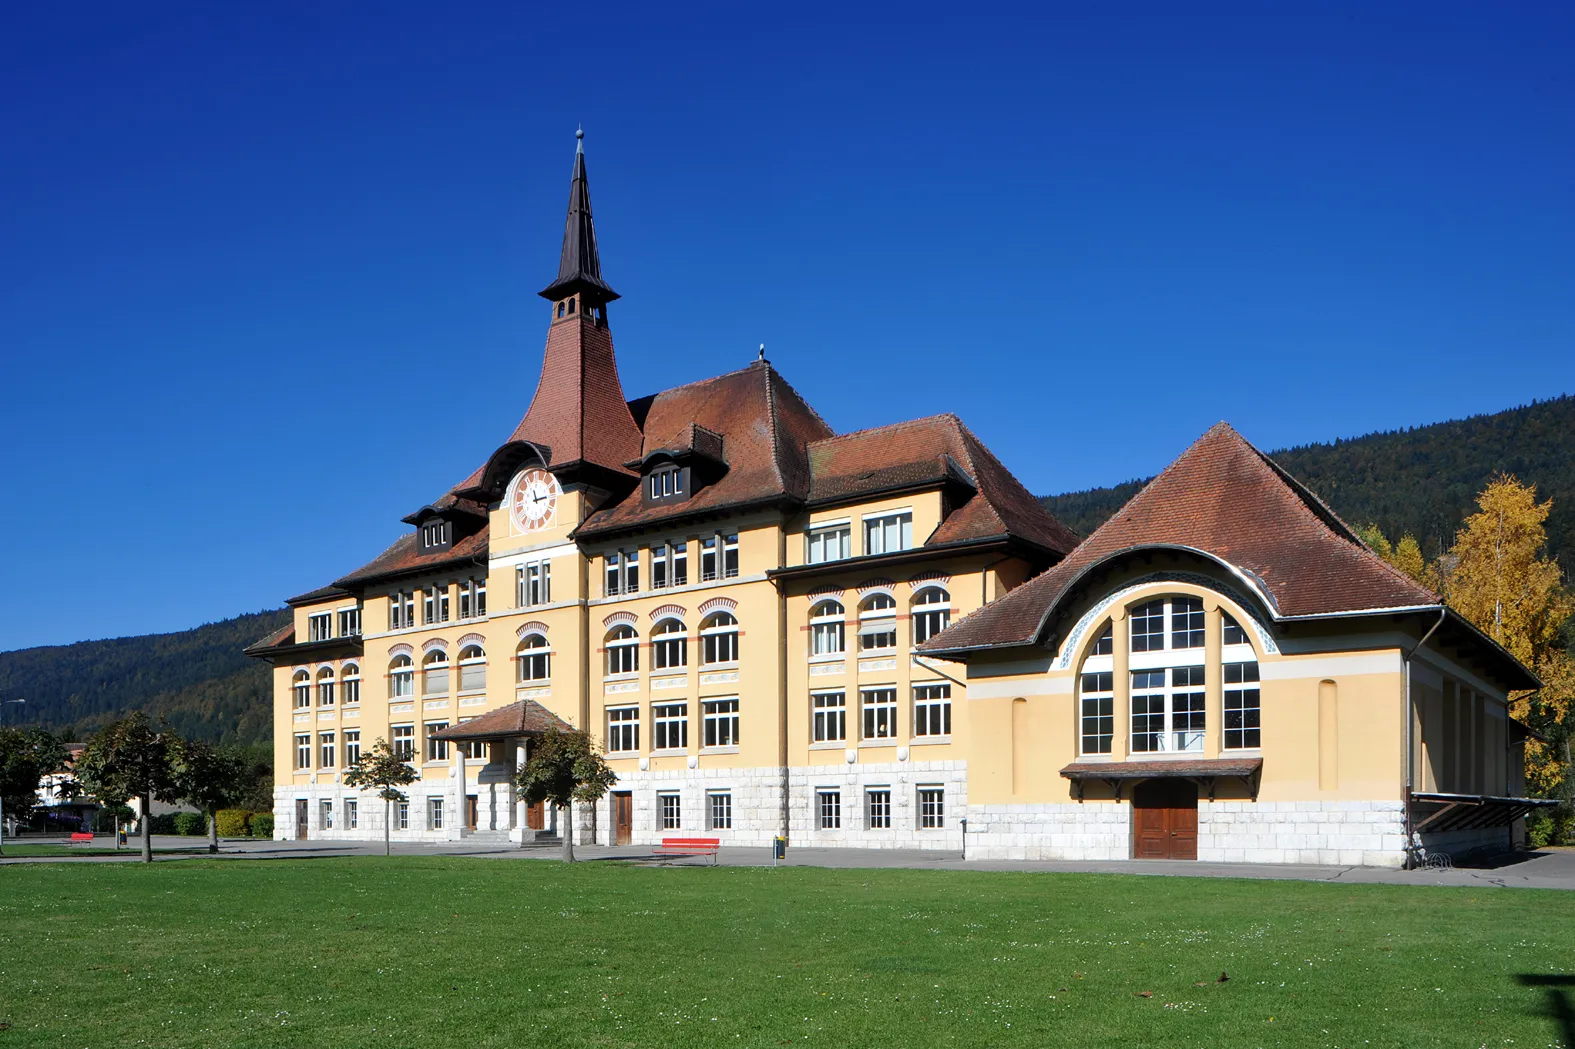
[(466, 953), (17, 851)]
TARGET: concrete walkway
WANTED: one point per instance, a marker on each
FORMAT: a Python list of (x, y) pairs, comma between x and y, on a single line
[(1548, 869)]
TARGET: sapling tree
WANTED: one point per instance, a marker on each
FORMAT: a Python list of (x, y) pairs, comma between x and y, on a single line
[(382, 769), (131, 758), (565, 767), (209, 777)]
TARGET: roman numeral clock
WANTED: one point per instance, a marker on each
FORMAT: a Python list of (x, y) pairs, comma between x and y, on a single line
[(533, 501)]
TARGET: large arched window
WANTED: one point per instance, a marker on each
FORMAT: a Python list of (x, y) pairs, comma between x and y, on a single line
[(302, 684), (669, 645), (1239, 672), (1097, 696), (719, 639), (535, 659), (434, 673), (878, 623), (472, 668), (401, 678), (350, 686), (932, 613), (827, 631), (325, 687), (623, 650), (1168, 675)]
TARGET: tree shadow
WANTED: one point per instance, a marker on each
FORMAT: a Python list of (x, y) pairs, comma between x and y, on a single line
[(1559, 1006)]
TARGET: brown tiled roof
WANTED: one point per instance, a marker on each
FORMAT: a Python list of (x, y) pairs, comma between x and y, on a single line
[(1229, 500), (929, 450), (322, 593), (525, 718), (285, 635), (765, 426), (404, 555), (579, 411), (1177, 768)]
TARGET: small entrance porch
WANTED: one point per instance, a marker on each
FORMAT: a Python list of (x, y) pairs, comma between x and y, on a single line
[(492, 806), (1164, 797)]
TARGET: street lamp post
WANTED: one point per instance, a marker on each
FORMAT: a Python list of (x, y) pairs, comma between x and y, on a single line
[(3, 702)]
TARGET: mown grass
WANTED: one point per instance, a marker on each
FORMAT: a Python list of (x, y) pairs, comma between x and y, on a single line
[(472, 952)]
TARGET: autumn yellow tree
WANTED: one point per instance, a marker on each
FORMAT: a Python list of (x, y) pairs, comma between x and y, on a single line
[(1405, 555)]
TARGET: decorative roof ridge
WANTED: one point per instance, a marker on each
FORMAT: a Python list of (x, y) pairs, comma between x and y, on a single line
[(773, 425), (777, 374), (868, 430), (698, 382)]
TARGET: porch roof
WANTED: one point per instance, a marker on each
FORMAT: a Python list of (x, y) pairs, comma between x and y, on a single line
[(525, 718), (1181, 768)]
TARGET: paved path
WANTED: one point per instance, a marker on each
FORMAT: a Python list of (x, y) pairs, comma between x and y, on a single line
[(1548, 869)]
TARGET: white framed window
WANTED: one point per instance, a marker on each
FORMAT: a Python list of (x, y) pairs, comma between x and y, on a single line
[(669, 645), (720, 804), (720, 727), (403, 741), (623, 650), (473, 598), (434, 605), (1097, 699), (932, 808), (718, 639), (320, 626), (350, 622), (472, 668), (828, 805), (670, 723), (880, 712), (670, 809), (828, 629), (303, 750), (352, 747), (659, 567), (402, 815), (401, 610), (437, 749), (1168, 624), (401, 678), (325, 817), (301, 684), (678, 561), (621, 573), (932, 710), (533, 584), (666, 482), (326, 751), (1167, 710), (878, 623), (719, 556), (434, 673), (631, 572), (352, 814), (828, 543), (877, 808), (623, 730), (434, 814), (325, 687), (350, 683), (932, 613), (474, 749), (888, 533), (612, 574), (828, 716), (1242, 730), (534, 659), (435, 533)]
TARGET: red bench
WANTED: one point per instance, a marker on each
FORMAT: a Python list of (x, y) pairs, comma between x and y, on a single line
[(81, 838), (690, 847)]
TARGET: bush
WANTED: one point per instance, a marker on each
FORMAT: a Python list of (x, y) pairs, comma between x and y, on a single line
[(163, 823), (262, 825), (232, 822), (191, 824), (104, 819)]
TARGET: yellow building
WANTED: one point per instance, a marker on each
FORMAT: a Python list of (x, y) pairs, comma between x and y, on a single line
[(882, 639)]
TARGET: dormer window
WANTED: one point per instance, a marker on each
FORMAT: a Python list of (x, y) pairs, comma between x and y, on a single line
[(667, 484), (436, 535)]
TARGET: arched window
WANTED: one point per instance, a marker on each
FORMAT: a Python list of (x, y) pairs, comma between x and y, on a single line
[(878, 623), (325, 687), (623, 650), (302, 684), (669, 645), (1096, 691), (535, 659), (350, 685), (931, 613), (719, 639), (827, 631), (434, 673), (1166, 664), (472, 668), (401, 678)]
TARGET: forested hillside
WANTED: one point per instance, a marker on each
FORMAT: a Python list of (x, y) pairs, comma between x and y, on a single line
[(197, 679), (1423, 480)]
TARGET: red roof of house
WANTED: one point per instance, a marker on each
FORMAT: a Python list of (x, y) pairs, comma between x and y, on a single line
[(404, 555), (525, 718), (1227, 499), (579, 411)]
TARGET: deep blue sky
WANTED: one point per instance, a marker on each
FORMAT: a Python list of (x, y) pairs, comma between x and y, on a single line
[(268, 272)]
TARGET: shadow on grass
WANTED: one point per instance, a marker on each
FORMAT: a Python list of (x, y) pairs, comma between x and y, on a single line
[(1559, 1006)]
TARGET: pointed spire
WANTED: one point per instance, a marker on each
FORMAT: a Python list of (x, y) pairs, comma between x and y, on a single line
[(580, 267)]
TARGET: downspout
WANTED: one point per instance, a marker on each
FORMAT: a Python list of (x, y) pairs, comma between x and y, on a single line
[(1410, 722), (782, 679)]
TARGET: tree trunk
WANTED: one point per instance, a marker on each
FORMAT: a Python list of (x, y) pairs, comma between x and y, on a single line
[(388, 817), (213, 829), (566, 822), (147, 828)]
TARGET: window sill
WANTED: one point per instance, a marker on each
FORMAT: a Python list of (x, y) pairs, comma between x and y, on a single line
[(829, 657), (929, 741), (718, 750), (888, 742), (630, 676), (473, 691), (832, 744), (707, 668), (670, 753), (621, 755)]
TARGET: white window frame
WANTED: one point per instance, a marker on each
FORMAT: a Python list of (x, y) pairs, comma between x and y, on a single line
[(402, 814), (327, 750), (719, 723), (878, 715), (1242, 706), (931, 806), (623, 730), (325, 687), (533, 584), (467, 668), (434, 604), (402, 740), (320, 626), (719, 809), (436, 749), (401, 610), (878, 620), (472, 599), (435, 670), (301, 685), (828, 808), (529, 656), (434, 813), (828, 631), (670, 727), (402, 677), (350, 685), (883, 529), (877, 808), (828, 715), (352, 814), (670, 809), (669, 645), (828, 542), (303, 751), (350, 622), (1179, 706), (932, 710), (714, 639), (352, 746), (931, 612), (623, 651), (1096, 710), (325, 814)]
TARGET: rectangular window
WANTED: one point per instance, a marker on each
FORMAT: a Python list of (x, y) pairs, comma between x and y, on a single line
[(326, 817), (404, 742), (434, 604), (1148, 710), (320, 626), (1148, 627), (877, 808), (680, 563), (669, 646), (730, 556), (623, 730), (402, 679), (828, 544), (708, 558), (434, 814), (1186, 708), (303, 691), (1186, 622), (303, 750), (401, 610), (326, 749), (888, 533), (623, 652), (1241, 706), (325, 692), (352, 689), (352, 746), (932, 710), (352, 814), (658, 567), (671, 808), (720, 803), (350, 622), (402, 815), (671, 724), (631, 572), (472, 672), (1167, 710), (437, 749), (534, 584), (721, 723), (932, 808), (829, 805), (472, 598), (830, 717), (612, 579), (880, 713), (1099, 712)]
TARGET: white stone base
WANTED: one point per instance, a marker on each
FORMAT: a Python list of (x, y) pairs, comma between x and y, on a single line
[(1349, 833), (1094, 830)]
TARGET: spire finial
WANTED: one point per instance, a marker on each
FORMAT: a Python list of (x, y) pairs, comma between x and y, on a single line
[(579, 135), (762, 355)]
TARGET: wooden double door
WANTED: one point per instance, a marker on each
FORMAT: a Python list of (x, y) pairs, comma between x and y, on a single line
[(1165, 820)]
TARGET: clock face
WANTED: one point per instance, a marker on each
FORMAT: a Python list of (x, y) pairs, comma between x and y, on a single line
[(533, 500)]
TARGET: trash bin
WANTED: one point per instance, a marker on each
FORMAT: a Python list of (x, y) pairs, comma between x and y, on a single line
[(778, 848)]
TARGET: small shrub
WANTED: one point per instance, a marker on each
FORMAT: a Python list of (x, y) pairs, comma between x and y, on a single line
[(191, 824), (262, 825), (232, 822), (162, 823)]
